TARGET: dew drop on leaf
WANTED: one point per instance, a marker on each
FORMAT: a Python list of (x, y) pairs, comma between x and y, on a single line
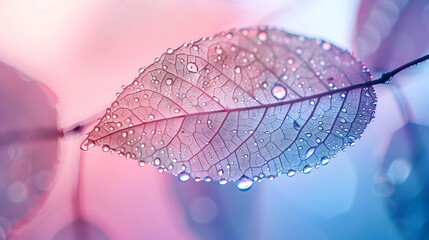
[(263, 36), (310, 152), (324, 160), (105, 148), (223, 181), (184, 176), (244, 183), (279, 92), (307, 169), (192, 67), (291, 173), (169, 81)]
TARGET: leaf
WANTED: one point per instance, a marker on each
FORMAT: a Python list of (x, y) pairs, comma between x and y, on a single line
[(245, 104), (385, 26), (404, 182), (27, 167)]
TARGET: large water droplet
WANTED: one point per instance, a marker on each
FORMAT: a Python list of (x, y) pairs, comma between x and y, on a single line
[(157, 161), (263, 36), (324, 160), (223, 181), (326, 46), (244, 183), (169, 81), (237, 69), (105, 148), (192, 67), (291, 173), (310, 152), (279, 92), (87, 144), (219, 50), (307, 169), (184, 176)]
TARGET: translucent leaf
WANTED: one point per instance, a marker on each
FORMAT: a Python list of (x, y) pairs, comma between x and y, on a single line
[(244, 104)]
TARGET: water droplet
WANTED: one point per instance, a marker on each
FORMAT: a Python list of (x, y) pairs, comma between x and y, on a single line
[(219, 50), (326, 46), (176, 110), (263, 36), (141, 163), (192, 67), (184, 176), (87, 144), (223, 181), (324, 160), (105, 148), (237, 69), (220, 172), (170, 50), (264, 84), (157, 161), (151, 117), (291, 173), (271, 177), (307, 169), (310, 152), (244, 183), (290, 61), (299, 51), (169, 81), (279, 92), (207, 179)]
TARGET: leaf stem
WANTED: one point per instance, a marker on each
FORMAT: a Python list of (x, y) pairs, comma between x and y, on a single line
[(387, 76)]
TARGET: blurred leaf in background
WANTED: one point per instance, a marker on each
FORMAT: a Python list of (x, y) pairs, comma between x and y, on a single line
[(404, 183), (28, 147), (390, 33)]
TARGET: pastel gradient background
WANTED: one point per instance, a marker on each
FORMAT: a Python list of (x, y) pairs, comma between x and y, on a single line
[(83, 51)]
